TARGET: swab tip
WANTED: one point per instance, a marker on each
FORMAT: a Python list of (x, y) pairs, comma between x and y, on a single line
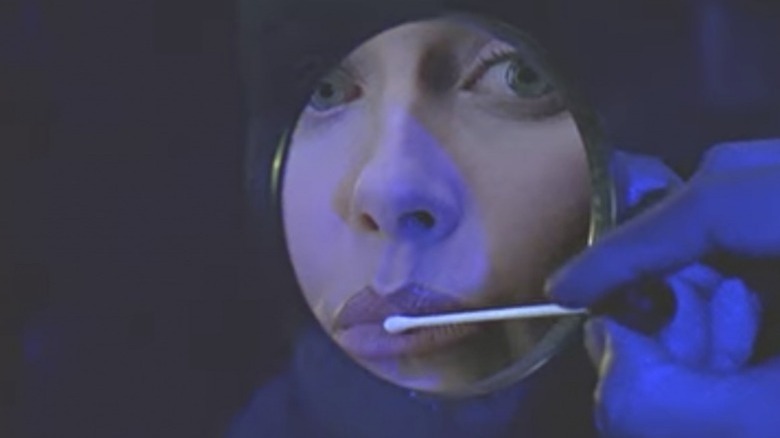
[(395, 324)]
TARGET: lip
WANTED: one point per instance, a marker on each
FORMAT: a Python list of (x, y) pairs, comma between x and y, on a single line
[(358, 325)]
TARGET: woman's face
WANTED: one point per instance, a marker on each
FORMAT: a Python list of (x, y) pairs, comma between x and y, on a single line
[(434, 170)]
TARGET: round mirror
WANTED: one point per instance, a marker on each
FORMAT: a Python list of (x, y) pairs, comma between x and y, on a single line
[(442, 166)]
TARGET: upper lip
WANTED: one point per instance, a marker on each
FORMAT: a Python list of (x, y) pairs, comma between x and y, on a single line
[(369, 307)]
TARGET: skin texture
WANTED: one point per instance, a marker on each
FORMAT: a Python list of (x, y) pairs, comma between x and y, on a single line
[(428, 169)]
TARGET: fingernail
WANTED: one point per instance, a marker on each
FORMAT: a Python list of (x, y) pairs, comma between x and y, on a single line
[(595, 339), (550, 290), (553, 292)]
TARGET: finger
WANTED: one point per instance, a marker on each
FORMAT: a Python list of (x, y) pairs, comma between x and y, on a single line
[(627, 359), (735, 316), (646, 246), (740, 155), (736, 213), (637, 175), (703, 278), (753, 398), (687, 337), (632, 349), (630, 360), (644, 393), (595, 340)]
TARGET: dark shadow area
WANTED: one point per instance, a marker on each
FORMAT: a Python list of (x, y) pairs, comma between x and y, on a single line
[(124, 306)]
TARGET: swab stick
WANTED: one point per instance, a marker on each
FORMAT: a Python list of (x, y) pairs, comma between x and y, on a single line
[(399, 323)]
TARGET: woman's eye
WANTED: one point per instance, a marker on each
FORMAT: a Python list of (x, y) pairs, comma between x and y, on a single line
[(516, 77), (332, 91), (525, 81)]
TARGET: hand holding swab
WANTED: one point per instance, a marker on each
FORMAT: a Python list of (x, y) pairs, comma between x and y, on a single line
[(399, 323)]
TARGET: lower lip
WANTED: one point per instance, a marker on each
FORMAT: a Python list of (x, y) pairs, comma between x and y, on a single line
[(371, 341)]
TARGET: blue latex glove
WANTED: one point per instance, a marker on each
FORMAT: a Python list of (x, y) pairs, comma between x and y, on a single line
[(694, 378)]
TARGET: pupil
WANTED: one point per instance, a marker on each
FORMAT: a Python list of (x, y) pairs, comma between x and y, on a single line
[(526, 74), (326, 91), (526, 81)]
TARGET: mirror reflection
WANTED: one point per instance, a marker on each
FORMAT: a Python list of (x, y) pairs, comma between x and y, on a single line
[(436, 169)]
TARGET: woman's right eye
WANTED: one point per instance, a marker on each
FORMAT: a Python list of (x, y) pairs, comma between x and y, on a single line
[(332, 91)]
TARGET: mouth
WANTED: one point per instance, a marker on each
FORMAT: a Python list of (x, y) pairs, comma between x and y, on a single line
[(358, 326)]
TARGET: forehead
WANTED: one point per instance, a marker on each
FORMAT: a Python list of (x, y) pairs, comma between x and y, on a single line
[(419, 39)]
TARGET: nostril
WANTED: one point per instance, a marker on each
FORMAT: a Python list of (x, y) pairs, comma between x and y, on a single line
[(417, 220), (368, 223)]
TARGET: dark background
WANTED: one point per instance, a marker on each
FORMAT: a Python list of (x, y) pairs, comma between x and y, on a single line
[(134, 300), (123, 248)]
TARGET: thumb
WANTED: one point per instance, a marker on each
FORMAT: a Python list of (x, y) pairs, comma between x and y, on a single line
[(629, 361), (736, 315), (605, 339), (687, 337), (631, 350)]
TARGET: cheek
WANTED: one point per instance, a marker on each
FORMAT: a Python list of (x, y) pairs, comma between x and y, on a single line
[(306, 222), (532, 189), (314, 218), (551, 202)]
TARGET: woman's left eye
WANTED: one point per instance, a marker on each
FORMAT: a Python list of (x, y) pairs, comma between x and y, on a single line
[(334, 90), (516, 77)]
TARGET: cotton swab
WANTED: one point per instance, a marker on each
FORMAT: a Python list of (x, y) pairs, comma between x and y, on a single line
[(399, 323)]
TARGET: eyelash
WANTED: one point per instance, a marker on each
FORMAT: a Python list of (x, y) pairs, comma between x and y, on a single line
[(350, 78), (485, 62)]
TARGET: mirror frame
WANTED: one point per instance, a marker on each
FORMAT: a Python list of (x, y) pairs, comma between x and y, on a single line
[(603, 206)]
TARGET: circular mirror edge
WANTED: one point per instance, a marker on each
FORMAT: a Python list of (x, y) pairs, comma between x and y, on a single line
[(603, 205)]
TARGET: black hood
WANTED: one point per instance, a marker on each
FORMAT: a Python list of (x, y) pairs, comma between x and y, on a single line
[(329, 395), (285, 44)]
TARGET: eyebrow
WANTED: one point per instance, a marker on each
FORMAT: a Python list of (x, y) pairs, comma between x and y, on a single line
[(443, 62), (439, 69), (443, 55)]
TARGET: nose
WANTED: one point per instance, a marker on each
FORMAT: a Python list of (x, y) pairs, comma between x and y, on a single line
[(409, 189), (406, 211)]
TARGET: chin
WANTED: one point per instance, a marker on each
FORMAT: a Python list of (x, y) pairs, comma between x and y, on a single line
[(425, 379)]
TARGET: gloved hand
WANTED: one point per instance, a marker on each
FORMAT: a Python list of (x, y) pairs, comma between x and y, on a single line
[(693, 378)]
